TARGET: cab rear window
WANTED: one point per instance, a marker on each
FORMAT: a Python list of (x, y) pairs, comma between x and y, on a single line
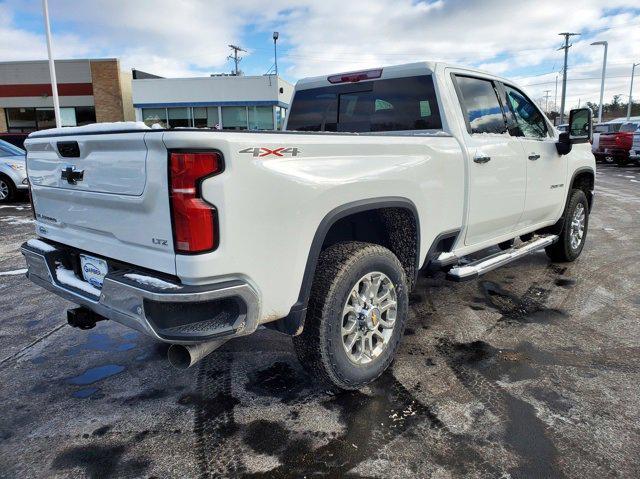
[(399, 104)]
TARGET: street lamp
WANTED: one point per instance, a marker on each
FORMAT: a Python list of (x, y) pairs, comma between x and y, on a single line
[(604, 69), (275, 49), (633, 70)]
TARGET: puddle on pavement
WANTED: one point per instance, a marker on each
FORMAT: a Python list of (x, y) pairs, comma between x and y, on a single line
[(96, 374)]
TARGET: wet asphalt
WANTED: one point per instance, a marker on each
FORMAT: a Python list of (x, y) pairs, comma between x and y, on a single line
[(531, 371)]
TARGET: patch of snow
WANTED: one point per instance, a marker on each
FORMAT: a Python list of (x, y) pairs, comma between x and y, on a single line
[(629, 176), (40, 245), (609, 229), (19, 208), (634, 181), (15, 272), (68, 277), (93, 128), (150, 281)]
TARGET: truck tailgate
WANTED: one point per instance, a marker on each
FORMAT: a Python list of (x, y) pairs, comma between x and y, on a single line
[(106, 194)]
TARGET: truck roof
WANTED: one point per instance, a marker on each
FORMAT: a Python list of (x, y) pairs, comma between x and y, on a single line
[(395, 71)]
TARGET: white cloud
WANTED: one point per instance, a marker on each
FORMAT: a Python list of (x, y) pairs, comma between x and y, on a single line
[(319, 37)]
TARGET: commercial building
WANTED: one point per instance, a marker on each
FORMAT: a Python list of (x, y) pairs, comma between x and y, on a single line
[(90, 91), (220, 101)]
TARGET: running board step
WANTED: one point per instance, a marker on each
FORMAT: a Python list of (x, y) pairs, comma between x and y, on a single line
[(472, 270)]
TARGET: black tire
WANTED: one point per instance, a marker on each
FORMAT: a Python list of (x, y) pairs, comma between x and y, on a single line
[(562, 250), (319, 347), (7, 185)]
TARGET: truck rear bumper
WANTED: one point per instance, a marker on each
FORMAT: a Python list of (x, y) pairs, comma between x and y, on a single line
[(169, 312)]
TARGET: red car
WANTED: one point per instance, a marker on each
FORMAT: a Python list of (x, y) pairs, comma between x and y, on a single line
[(617, 144)]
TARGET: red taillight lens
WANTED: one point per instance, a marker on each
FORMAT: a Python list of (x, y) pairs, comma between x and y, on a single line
[(194, 221), (355, 77)]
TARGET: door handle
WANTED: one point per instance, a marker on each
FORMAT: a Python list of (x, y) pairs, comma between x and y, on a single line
[(534, 156), (480, 158)]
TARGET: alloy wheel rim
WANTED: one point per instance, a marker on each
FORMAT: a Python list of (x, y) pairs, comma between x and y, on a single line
[(4, 190), (369, 317), (576, 232)]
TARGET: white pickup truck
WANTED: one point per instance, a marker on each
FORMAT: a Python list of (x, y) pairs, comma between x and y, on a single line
[(195, 236)]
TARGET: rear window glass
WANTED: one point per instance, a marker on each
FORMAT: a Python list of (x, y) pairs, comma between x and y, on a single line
[(601, 129), (480, 104), (629, 127), (397, 104)]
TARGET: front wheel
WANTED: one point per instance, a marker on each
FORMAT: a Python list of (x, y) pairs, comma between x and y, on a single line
[(356, 316), (574, 230)]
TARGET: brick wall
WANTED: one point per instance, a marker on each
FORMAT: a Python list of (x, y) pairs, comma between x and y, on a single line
[(3, 121), (107, 92)]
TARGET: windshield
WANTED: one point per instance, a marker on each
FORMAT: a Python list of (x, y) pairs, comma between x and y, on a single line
[(7, 149)]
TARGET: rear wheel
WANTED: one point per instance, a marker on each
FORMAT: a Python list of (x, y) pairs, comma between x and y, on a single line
[(574, 230), (356, 316), (7, 190)]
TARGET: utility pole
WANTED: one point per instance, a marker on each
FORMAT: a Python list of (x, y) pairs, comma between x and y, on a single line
[(604, 70), (564, 71), (546, 101), (633, 70), (555, 98), (52, 67), (235, 58)]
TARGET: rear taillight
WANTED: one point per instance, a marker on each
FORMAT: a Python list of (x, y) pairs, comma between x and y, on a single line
[(195, 222)]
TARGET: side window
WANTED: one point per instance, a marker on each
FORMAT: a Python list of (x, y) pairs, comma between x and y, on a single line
[(529, 119), (480, 105)]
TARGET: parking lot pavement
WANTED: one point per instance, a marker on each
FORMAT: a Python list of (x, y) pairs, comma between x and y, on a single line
[(531, 371)]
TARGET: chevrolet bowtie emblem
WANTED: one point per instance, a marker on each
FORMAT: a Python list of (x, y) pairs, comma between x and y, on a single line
[(72, 175)]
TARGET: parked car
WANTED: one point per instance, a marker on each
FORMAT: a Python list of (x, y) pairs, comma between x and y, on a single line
[(562, 128), (609, 127), (196, 236), (635, 148), (13, 171), (617, 144), (16, 139)]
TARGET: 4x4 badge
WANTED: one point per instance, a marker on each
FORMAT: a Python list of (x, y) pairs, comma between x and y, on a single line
[(261, 151)]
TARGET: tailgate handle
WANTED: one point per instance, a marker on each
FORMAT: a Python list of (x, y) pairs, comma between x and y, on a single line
[(72, 175), (69, 149)]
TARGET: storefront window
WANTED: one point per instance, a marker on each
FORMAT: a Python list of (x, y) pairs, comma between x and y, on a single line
[(46, 118), (179, 117), (30, 119), (261, 118), (199, 117), (67, 117), (85, 115), (234, 117), (213, 120), (21, 119), (152, 116), (281, 114)]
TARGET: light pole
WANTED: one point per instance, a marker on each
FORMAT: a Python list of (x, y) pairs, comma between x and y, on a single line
[(604, 70), (52, 67), (566, 47), (633, 70), (275, 49)]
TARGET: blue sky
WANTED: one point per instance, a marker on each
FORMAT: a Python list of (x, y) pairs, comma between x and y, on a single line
[(515, 39)]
